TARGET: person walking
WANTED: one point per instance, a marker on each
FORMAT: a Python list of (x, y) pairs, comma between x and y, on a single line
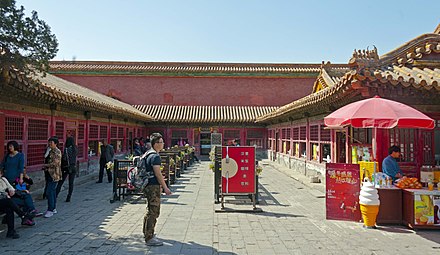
[(153, 190), (137, 150), (68, 166), (107, 155), (46, 175), (52, 166), (147, 145)]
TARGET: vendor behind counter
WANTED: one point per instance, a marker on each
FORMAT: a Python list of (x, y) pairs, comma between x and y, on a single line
[(389, 164)]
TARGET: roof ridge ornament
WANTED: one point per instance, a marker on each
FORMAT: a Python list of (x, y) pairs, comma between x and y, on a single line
[(364, 58), (437, 29)]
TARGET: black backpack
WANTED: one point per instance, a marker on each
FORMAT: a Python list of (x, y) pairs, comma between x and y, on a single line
[(142, 175)]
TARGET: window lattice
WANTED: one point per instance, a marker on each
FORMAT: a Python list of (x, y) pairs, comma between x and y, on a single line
[(81, 131), (38, 129), (179, 134), (302, 133), (35, 154), (428, 147), (362, 135), (14, 128), (255, 134), (314, 133), (231, 134), (295, 133), (121, 132), (80, 150), (325, 134), (287, 133), (103, 132), (113, 132), (93, 132), (59, 129), (405, 139), (270, 134)]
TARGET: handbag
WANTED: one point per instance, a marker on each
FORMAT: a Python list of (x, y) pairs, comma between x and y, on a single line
[(20, 194), (3, 195), (72, 169)]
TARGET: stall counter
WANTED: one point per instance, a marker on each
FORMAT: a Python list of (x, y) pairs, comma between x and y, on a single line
[(421, 208), (390, 209)]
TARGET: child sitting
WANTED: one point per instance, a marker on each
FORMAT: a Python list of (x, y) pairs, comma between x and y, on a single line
[(23, 197), (9, 207)]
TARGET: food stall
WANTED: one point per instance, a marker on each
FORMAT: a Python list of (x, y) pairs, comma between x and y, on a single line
[(410, 201)]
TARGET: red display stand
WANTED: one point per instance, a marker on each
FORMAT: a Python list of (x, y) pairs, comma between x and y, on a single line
[(342, 192), (238, 172)]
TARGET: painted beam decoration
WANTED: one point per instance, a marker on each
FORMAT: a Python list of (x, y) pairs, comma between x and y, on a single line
[(238, 170)]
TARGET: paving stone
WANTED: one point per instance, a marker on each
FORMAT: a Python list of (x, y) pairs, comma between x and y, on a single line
[(292, 222)]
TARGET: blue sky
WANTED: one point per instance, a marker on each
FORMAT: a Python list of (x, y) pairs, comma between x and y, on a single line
[(239, 31)]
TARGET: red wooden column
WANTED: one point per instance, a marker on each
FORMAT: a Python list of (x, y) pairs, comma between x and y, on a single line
[(308, 150), (291, 139), (88, 115), (347, 146), (52, 120), (243, 132), (2, 133), (382, 140), (333, 146)]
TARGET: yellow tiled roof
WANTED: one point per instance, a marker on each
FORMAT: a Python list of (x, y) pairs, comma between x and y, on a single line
[(175, 67), (209, 114), (56, 90), (404, 66), (426, 78)]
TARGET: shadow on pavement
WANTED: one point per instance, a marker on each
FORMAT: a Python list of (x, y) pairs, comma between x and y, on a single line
[(188, 248), (281, 215), (90, 224), (432, 235), (266, 198), (395, 229), (273, 214), (171, 203)]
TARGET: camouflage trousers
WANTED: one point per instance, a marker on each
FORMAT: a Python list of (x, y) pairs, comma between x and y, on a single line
[(152, 193)]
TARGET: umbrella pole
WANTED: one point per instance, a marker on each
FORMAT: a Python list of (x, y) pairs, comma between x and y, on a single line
[(374, 145)]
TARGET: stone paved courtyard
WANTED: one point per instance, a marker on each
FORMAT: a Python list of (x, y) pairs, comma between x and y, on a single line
[(292, 222)]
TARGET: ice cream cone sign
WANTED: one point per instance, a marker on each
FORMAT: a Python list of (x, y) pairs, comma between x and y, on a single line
[(369, 203)]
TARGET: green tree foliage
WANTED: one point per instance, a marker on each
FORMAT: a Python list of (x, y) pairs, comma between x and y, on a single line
[(26, 43)]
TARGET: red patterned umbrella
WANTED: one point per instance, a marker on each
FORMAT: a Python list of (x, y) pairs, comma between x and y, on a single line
[(378, 112)]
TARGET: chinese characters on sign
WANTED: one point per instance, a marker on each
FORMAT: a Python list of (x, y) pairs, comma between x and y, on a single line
[(342, 177), (241, 179)]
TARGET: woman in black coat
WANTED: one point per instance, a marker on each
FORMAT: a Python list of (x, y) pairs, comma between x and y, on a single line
[(68, 166)]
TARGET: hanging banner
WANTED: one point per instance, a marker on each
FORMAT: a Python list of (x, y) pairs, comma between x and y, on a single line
[(342, 192), (238, 169)]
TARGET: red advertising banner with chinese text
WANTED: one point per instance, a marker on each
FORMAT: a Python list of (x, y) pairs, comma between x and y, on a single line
[(238, 169), (342, 192)]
